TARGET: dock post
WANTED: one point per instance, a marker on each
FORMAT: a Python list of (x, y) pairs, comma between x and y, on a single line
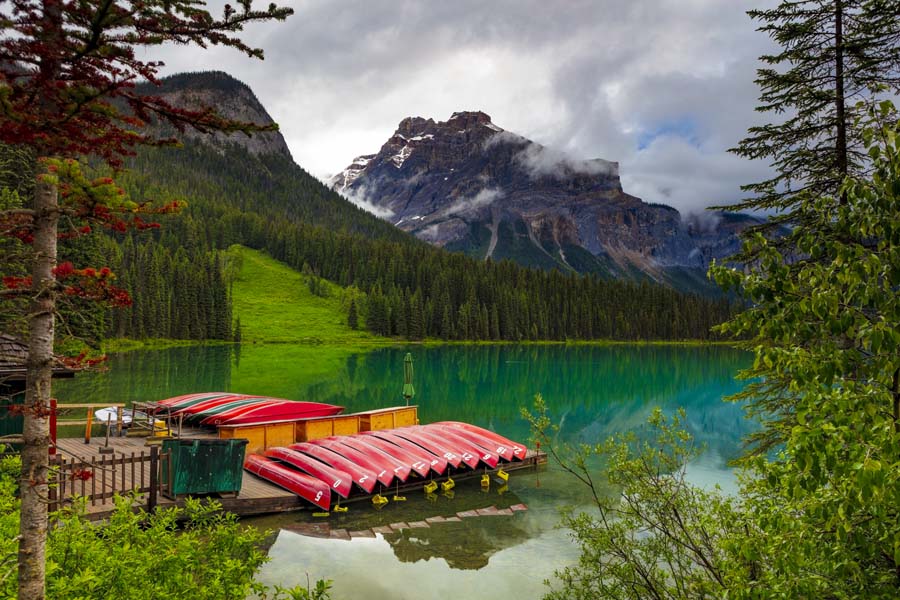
[(87, 427), (154, 478)]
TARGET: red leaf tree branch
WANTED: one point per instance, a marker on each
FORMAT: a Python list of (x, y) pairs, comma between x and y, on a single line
[(68, 75)]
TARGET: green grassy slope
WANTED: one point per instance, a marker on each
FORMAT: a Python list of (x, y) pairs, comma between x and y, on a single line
[(274, 304)]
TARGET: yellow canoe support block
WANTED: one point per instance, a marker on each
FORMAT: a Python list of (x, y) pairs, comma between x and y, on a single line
[(448, 485), (340, 509), (321, 514), (430, 487), (399, 498), (502, 474), (485, 481), (379, 500)]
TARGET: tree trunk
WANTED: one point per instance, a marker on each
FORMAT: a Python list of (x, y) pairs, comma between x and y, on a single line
[(839, 94), (39, 370)]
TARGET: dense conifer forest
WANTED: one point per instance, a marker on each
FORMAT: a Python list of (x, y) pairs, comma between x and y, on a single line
[(178, 274)]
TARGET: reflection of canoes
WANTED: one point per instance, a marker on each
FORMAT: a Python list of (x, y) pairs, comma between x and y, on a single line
[(309, 488), (518, 450), (438, 463), (364, 478), (340, 481)]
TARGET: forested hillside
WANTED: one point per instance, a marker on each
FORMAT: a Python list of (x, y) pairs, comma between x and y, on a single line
[(414, 290), (244, 192)]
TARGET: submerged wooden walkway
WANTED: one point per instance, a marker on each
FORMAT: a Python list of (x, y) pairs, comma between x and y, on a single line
[(99, 470)]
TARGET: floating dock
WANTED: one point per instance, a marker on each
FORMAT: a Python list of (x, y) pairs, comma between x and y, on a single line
[(104, 467)]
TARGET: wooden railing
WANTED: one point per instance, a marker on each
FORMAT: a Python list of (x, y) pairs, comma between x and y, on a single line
[(105, 476)]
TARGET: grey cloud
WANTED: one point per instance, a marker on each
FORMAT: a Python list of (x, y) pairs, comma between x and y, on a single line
[(589, 78)]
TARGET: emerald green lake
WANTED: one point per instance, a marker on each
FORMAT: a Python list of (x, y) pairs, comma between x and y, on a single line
[(592, 392)]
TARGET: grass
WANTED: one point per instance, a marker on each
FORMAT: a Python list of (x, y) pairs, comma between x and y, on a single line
[(274, 304)]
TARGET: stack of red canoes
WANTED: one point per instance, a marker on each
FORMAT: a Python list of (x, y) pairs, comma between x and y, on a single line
[(226, 408), (324, 470)]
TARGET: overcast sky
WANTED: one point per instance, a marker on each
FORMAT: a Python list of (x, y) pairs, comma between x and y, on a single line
[(664, 87)]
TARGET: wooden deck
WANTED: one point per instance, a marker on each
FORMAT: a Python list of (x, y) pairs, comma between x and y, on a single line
[(125, 466)]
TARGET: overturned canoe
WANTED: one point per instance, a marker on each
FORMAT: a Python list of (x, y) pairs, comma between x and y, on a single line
[(383, 472), (437, 462), (309, 488), (284, 410), (416, 462), (362, 477), (188, 399), (488, 445), (196, 408), (518, 450), (453, 459), (340, 481)]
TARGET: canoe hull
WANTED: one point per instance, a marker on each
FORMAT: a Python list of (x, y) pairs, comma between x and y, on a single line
[(518, 450), (364, 478), (309, 488), (339, 481)]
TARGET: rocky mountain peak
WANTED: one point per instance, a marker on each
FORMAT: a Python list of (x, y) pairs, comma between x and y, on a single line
[(231, 98), (468, 185)]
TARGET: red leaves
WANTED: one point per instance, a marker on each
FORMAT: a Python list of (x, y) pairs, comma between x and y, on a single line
[(81, 474), (17, 283)]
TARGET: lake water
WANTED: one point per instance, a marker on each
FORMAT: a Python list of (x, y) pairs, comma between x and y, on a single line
[(591, 391)]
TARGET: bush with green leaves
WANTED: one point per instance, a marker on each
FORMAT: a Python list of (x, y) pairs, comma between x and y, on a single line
[(195, 553), (818, 510)]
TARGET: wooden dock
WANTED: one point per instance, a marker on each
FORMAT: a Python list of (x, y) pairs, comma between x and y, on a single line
[(101, 469)]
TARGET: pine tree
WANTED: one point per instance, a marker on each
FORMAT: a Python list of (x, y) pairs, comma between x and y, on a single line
[(352, 317), (833, 54)]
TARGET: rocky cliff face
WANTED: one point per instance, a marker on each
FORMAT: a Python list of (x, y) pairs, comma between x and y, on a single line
[(231, 99), (468, 185)]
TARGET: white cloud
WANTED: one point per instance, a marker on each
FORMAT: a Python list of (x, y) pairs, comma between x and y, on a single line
[(359, 197), (483, 198), (591, 78)]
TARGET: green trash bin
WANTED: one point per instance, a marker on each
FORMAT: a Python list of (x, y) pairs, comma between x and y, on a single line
[(202, 466)]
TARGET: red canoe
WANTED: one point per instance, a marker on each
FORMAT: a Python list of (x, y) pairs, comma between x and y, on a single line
[(420, 464), (287, 410), (216, 417), (383, 472), (518, 450), (204, 405), (400, 469), (188, 399), (438, 463), (340, 481), (435, 448), (364, 478), (489, 458), (468, 454), (309, 488), (481, 441)]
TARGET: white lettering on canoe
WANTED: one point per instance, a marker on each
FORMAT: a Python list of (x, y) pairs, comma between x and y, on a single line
[(363, 478), (382, 472), (466, 456), (419, 465), (337, 483), (318, 496)]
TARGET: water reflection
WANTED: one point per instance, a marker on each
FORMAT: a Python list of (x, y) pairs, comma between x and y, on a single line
[(592, 391)]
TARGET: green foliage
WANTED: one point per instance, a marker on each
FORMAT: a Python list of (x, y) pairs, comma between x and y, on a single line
[(653, 535), (275, 304), (831, 55), (194, 553), (826, 333), (818, 513)]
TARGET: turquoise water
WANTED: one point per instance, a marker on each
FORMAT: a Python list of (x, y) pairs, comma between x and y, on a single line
[(592, 392)]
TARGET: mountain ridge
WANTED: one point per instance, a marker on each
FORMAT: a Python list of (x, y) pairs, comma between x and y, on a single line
[(468, 185)]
